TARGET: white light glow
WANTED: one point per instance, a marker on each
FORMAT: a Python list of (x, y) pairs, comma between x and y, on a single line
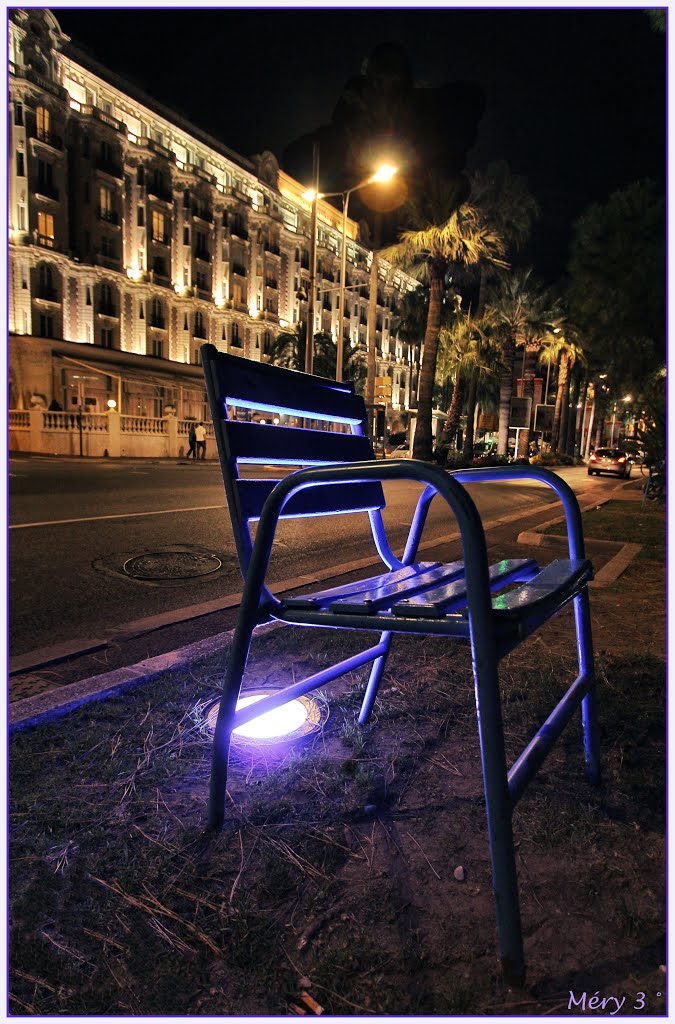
[(277, 723), (384, 173)]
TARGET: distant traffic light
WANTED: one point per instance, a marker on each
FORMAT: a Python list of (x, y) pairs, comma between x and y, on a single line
[(382, 390)]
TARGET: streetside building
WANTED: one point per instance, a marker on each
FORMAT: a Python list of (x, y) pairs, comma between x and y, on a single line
[(135, 237)]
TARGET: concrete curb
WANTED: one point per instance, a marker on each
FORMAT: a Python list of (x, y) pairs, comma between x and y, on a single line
[(614, 567)]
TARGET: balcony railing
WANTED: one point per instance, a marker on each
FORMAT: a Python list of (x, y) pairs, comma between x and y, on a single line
[(159, 322), (47, 294), (202, 213), (271, 282), (109, 167), (156, 191), (46, 241), (109, 216), (239, 231), (161, 239), (203, 254), (49, 139), (46, 189), (199, 332), (273, 248), (107, 309), (239, 268)]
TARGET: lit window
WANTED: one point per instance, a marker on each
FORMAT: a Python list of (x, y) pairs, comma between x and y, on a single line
[(157, 226), (43, 119), (46, 229), (105, 201)]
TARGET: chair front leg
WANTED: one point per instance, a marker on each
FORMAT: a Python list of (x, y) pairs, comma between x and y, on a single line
[(499, 809), (374, 680), (589, 718)]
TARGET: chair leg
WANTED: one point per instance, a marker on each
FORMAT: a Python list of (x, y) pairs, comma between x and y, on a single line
[(224, 724), (582, 618), (499, 818), (374, 680)]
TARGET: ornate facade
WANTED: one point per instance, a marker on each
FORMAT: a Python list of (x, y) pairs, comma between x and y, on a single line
[(132, 232)]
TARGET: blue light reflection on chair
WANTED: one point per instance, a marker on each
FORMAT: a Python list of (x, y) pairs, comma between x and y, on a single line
[(410, 597)]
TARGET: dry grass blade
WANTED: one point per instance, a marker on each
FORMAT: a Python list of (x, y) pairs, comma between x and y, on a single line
[(446, 765), (104, 938), (336, 995), (300, 863), (241, 868), (167, 935), (153, 906), (65, 949), (31, 977), (424, 855)]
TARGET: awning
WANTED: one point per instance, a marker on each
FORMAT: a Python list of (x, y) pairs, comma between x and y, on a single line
[(136, 374)]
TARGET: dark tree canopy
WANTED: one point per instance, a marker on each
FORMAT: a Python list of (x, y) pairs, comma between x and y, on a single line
[(382, 113), (617, 291)]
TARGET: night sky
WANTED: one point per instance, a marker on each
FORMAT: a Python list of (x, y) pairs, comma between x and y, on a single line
[(575, 98)]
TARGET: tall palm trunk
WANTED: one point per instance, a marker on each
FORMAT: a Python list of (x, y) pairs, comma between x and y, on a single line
[(574, 412), (564, 413), (524, 434), (556, 431), (505, 393), (471, 398), (578, 437), (455, 410), (423, 431)]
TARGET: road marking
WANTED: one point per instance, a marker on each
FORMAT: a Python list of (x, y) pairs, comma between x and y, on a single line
[(118, 515)]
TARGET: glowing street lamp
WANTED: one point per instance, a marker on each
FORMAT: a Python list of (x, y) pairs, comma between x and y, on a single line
[(383, 174)]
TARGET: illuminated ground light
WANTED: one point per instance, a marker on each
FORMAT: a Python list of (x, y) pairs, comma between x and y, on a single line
[(295, 720)]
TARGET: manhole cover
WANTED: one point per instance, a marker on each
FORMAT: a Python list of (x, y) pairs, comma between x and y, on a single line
[(171, 565)]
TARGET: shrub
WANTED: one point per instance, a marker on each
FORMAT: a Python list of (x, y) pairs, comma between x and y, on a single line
[(456, 460)]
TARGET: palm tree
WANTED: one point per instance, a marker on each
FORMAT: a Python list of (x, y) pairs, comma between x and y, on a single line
[(521, 311), (484, 365), (288, 349), (442, 235), (568, 351)]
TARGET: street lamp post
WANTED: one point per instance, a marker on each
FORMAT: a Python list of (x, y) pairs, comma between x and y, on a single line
[(383, 174)]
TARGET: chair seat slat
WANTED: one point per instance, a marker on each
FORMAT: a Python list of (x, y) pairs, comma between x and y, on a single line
[(452, 596), (386, 592), (315, 502), (555, 583), (264, 443), (325, 597)]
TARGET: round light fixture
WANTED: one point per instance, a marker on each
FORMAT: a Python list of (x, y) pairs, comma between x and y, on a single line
[(293, 721)]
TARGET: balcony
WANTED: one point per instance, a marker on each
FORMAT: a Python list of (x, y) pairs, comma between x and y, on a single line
[(161, 150), (239, 231), (239, 269), (199, 332), (164, 239), (203, 213), (45, 190), (46, 294), (109, 167), (158, 190), (46, 241), (109, 216), (49, 139), (203, 254), (158, 322), (107, 309), (271, 282), (272, 248)]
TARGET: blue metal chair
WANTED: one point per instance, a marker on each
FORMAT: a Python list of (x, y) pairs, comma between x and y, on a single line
[(459, 600)]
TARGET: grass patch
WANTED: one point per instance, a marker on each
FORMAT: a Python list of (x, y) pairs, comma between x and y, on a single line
[(625, 522), (337, 858)]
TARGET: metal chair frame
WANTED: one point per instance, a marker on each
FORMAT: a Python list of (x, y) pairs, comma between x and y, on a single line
[(390, 603)]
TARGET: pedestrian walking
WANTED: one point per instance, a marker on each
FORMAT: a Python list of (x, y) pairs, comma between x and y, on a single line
[(200, 434), (192, 440)]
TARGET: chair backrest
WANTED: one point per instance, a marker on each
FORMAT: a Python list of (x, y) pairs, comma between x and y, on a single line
[(287, 399)]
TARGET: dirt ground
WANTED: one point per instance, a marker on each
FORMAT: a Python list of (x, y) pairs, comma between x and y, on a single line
[(336, 872)]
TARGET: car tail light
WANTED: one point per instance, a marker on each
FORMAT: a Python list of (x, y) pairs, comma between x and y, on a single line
[(593, 458), (622, 459)]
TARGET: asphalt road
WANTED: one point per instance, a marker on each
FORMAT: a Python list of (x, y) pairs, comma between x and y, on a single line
[(75, 526)]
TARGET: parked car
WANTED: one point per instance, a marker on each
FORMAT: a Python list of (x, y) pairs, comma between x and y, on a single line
[(610, 460)]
